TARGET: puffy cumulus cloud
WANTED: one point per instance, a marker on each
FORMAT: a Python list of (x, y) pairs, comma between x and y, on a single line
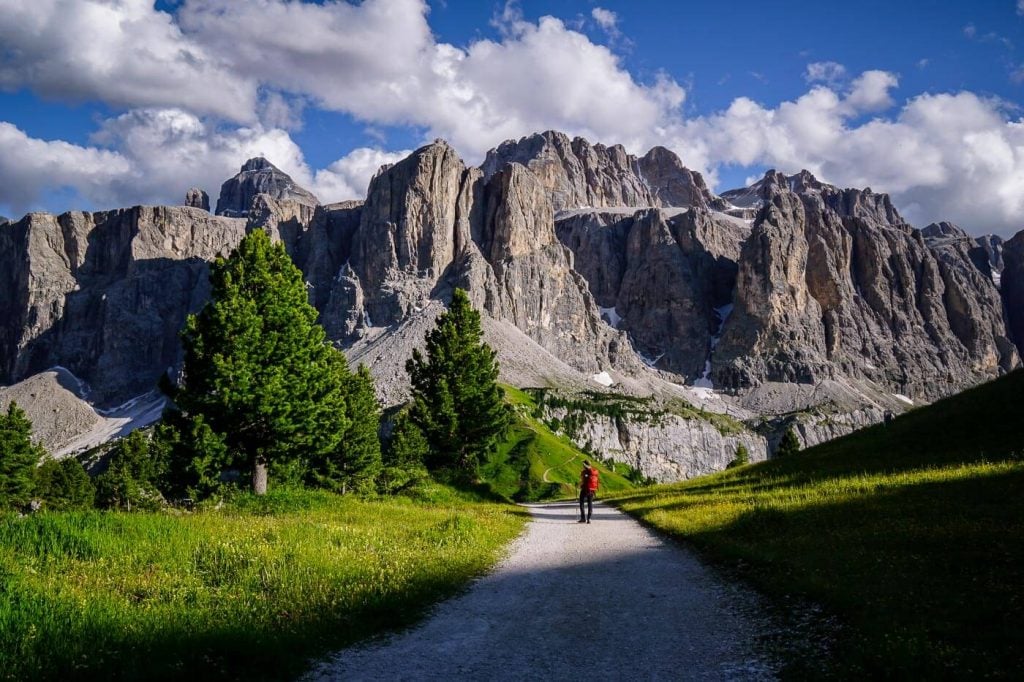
[(122, 52), (29, 166), (380, 62), (956, 157), (870, 91), (160, 153)]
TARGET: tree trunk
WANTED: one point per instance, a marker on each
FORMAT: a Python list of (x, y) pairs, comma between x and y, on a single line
[(259, 476)]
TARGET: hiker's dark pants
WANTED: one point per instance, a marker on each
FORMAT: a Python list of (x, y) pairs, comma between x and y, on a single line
[(588, 497)]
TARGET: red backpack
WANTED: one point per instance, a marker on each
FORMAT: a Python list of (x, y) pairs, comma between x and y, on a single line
[(590, 481)]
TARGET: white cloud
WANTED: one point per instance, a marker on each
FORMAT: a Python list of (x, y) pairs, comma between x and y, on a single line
[(1020, 7), (122, 52), (201, 98), (606, 19), (161, 153), (870, 91), (824, 72), (952, 157), (349, 176), (540, 75)]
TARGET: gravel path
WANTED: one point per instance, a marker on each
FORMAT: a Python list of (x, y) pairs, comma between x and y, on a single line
[(608, 600)]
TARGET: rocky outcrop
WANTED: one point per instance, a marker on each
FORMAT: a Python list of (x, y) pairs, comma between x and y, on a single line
[(1012, 287), (834, 282), (406, 236), (259, 176), (105, 294), (672, 184), (197, 198), (662, 445), (992, 246), (660, 276), (577, 174)]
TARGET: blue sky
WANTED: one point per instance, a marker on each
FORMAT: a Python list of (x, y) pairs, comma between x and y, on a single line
[(920, 99)]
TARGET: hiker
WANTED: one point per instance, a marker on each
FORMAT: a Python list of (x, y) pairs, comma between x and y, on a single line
[(588, 487)]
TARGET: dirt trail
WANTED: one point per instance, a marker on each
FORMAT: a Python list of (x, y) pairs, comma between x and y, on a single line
[(609, 598)]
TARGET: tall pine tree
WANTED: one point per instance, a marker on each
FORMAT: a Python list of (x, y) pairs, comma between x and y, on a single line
[(18, 458), (258, 368), (457, 403)]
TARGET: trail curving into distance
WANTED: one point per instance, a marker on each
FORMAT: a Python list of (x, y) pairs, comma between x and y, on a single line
[(608, 600)]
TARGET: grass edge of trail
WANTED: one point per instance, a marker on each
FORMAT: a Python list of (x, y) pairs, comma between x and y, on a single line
[(257, 591), (909, 535)]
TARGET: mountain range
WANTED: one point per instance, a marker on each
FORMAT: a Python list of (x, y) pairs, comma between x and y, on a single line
[(788, 302)]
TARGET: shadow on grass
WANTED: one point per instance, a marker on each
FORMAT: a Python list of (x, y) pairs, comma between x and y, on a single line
[(928, 577)]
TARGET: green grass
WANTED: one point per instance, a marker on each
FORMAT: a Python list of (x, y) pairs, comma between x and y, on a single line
[(533, 463), (912, 534), (250, 591)]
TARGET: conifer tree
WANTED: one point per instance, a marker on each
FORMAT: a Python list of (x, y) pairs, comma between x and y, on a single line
[(356, 462), (63, 484), (457, 402), (258, 368), (18, 457), (789, 445)]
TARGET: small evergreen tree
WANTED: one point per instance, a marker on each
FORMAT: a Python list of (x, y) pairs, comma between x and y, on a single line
[(356, 462), (457, 402), (63, 484), (403, 457), (258, 368), (742, 456), (789, 445), (18, 458)]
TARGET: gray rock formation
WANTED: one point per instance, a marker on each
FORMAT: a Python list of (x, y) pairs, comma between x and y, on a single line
[(1012, 287), (834, 282), (992, 246), (105, 294), (661, 276), (259, 176), (197, 198), (663, 446), (577, 174)]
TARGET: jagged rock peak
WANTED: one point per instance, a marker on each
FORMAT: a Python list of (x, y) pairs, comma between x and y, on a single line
[(259, 176), (850, 202), (578, 174), (944, 229), (197, 198)]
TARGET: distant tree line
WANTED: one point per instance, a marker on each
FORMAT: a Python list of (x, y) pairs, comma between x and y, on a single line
[(265, 397)]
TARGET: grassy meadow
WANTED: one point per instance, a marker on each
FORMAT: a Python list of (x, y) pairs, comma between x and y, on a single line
[(533, 463), (249, 591), (911, 534)]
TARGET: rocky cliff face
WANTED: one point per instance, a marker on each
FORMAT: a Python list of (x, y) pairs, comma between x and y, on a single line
[(105, 294), (259, 176), (1013, 286), (577, 174), (834, 283), (197, 198), (666, 447)]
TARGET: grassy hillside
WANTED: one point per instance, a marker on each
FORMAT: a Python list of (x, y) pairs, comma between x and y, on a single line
[(245, 592), (533, 463), (912, 533)]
